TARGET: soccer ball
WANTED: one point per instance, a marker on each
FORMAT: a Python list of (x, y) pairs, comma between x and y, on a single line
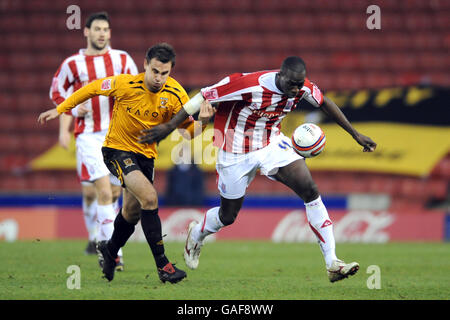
[(308, 140)]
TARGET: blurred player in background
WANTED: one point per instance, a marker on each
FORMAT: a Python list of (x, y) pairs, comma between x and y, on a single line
[(248, 119), (142, 101), (100, 189)]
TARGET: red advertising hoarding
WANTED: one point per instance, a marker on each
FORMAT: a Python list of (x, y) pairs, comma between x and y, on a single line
[(279, 225)]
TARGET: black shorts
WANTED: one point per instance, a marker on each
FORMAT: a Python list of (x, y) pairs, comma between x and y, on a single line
[(121, 163)]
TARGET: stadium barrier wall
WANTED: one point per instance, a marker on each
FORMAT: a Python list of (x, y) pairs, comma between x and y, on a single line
[(278, 225), (253, 201)]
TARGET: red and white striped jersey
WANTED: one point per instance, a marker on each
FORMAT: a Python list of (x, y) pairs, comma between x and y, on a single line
[(80, 69), (251, 109)]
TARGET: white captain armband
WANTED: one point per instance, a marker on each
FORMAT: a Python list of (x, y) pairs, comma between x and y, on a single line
[(193, 106)]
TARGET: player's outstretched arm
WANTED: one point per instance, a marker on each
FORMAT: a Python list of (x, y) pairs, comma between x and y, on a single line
[(332, 110), (94, 88), (161, 131), (48, 115)]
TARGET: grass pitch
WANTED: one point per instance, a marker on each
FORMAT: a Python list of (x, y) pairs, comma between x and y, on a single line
[(244, 270)]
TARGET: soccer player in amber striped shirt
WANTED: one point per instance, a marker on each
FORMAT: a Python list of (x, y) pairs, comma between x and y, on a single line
[(141, 102)]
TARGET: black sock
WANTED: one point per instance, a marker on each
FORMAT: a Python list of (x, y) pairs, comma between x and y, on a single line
[(151, 225), (122, 232)]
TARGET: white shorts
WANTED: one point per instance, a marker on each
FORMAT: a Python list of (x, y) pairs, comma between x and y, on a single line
[(90, 164), (237, 170)]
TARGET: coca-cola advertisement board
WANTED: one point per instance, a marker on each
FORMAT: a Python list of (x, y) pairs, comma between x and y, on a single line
[(292, 226), (278, 225)]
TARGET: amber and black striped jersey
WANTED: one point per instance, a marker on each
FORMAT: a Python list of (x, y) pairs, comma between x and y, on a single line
[(136, 108)]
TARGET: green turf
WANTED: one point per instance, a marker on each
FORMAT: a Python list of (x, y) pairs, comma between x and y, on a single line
[(228, 270)]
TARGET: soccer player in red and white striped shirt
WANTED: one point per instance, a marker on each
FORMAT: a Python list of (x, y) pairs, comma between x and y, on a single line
[(99, 188), (247, 131)]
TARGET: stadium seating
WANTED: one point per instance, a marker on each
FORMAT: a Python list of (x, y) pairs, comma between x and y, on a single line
[(216, 38)]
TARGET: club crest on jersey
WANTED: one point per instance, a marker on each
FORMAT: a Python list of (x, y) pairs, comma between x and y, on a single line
[(128, 162), (163, 102), (211, 94), (106, 84)]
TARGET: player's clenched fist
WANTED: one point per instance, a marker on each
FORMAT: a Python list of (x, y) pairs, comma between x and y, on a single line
[(206, 112), (48, 115)]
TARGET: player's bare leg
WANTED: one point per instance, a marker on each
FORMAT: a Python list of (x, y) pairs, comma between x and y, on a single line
[(140, 190), (146, 194), (298, 177), (213, 221)]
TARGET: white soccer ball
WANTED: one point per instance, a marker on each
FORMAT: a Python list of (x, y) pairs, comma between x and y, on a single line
[(308, 140)]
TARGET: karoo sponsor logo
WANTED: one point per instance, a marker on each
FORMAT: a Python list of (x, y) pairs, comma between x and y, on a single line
[(139, 112)]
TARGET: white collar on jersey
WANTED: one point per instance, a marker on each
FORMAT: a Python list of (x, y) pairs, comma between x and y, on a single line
[(82, 51), (267, 80)]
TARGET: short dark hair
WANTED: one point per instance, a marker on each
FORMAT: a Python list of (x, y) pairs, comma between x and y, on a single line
[(103, 15), (163, 52), (294, 63)]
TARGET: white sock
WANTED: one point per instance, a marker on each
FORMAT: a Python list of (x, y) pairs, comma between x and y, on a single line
[(90, 219), (105, 218), (322, 227), (116, 210), (116, 206), (210, 224)]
